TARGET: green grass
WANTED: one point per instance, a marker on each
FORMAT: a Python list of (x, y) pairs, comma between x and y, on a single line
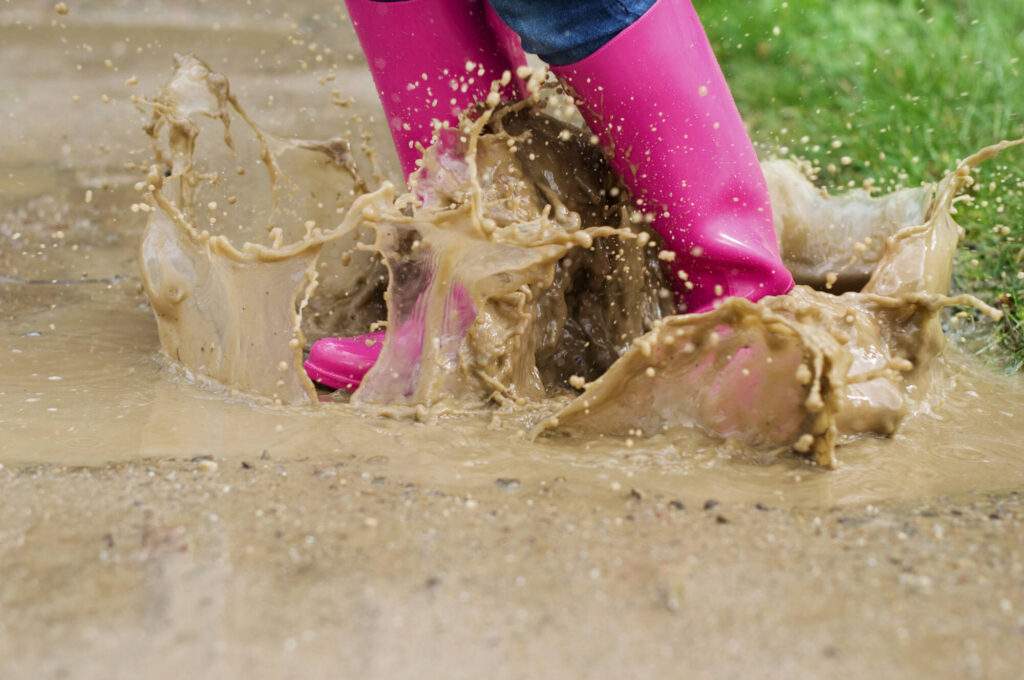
[(895, 92)]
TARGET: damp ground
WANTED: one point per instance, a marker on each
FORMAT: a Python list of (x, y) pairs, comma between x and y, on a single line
[(150, 527)]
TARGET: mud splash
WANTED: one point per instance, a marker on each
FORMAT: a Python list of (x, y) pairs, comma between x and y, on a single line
[(484, 295), (518, 272), (802, 370)]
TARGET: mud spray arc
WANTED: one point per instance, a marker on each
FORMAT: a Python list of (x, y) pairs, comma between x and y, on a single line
[(563, 282)]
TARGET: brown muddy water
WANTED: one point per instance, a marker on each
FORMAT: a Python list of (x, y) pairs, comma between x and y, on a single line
[(151, 526)]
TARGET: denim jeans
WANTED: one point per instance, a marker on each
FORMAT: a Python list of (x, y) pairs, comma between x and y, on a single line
[(564, 31)]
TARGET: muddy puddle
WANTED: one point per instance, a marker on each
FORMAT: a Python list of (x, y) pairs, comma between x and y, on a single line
[(90, 393)]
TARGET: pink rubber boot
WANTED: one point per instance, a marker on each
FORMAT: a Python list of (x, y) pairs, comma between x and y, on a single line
[(417, 51), (342, 363), (656, 98)]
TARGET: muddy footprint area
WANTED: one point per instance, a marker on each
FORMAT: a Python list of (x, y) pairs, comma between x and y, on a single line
[(155, 524)]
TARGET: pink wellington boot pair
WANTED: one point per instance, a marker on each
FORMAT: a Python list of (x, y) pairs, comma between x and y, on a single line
[(654, 95)]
